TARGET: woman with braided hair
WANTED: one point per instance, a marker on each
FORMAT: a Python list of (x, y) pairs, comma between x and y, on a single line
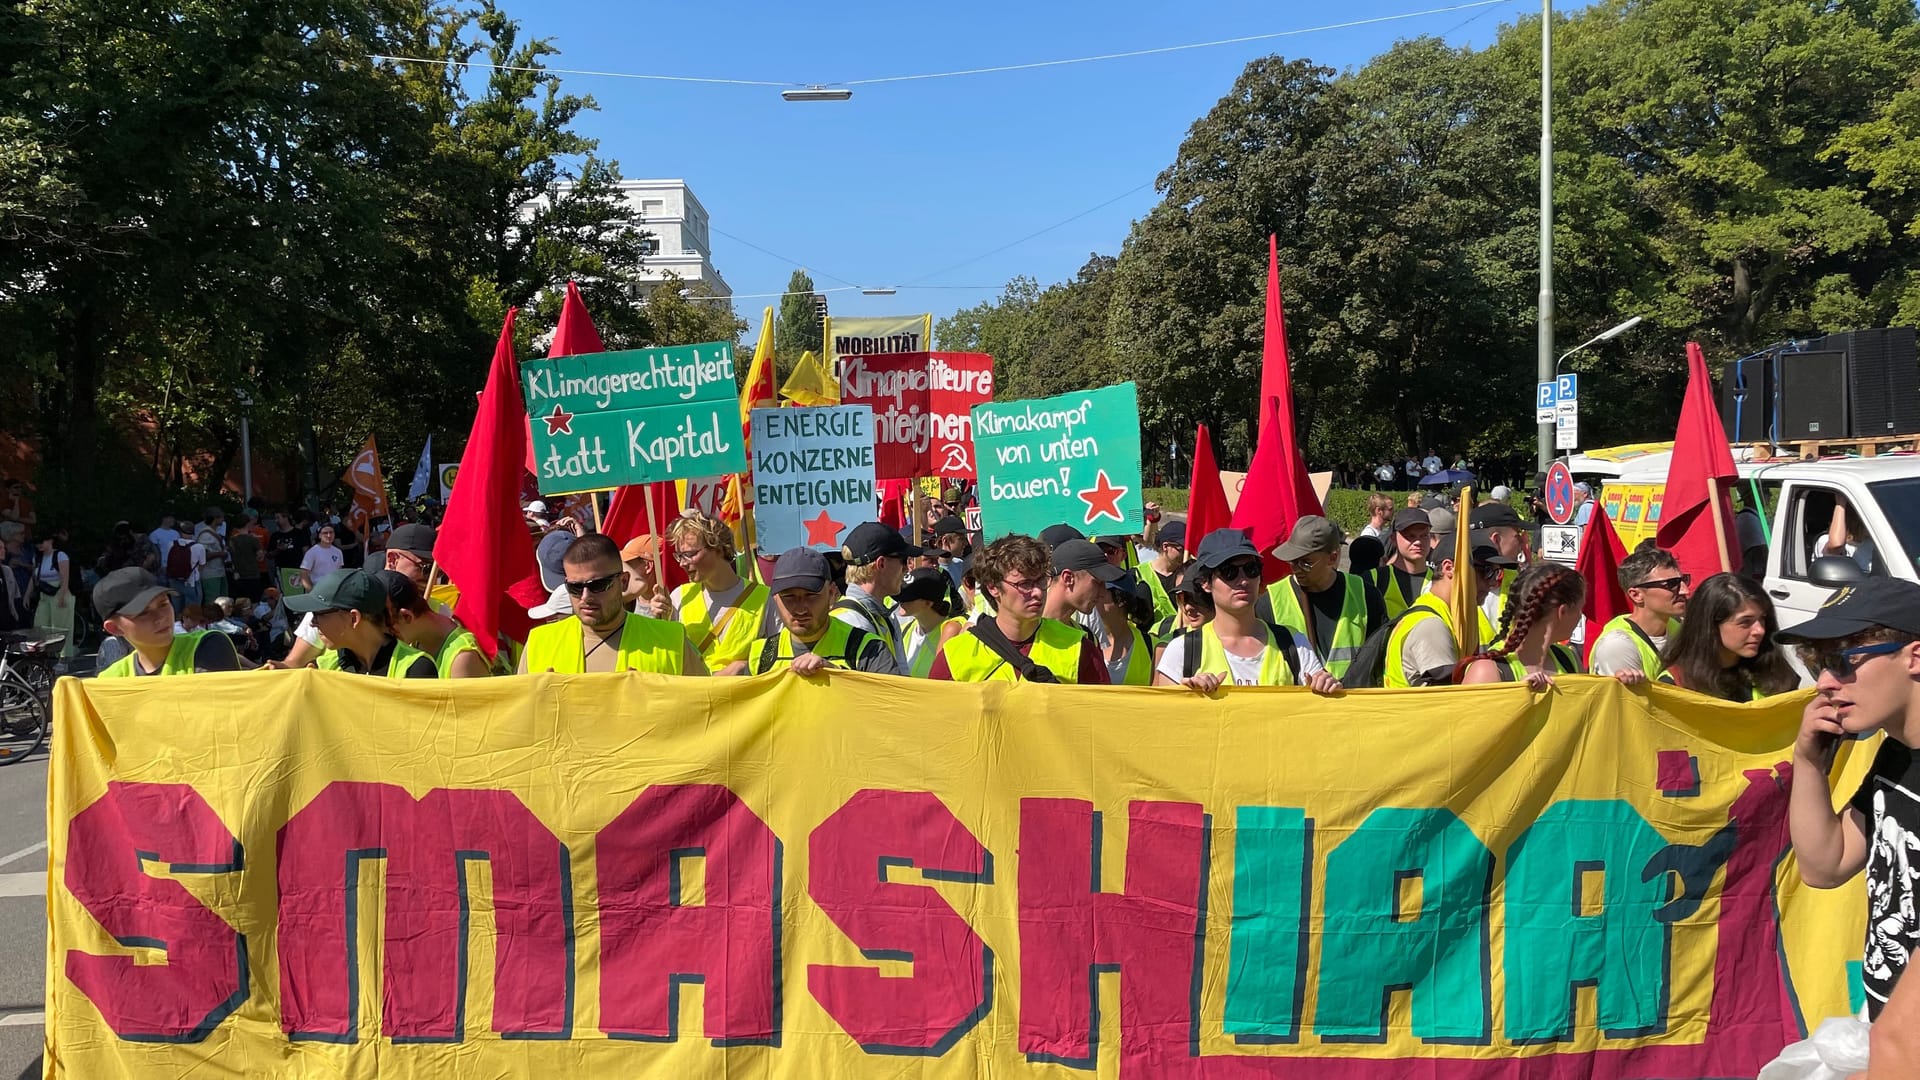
[(1542, 609)]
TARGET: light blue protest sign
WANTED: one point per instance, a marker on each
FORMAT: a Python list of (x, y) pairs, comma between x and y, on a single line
[(813, 477)]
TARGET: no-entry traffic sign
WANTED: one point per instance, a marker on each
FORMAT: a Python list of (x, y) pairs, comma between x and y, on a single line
[(1558, 493)]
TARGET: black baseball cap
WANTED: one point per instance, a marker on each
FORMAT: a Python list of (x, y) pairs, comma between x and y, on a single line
[(1082, 555), (414, 539), (799, 568), (401, 591), (1173, 532), (1189, 581), (1481, 549), (930, 585), (1055, 535), (871, 540), (1865, 605), (1222, 546), (1112, 540), (1410, 517), (125, 592), (951, 525), (342, 590), (1494, 516)]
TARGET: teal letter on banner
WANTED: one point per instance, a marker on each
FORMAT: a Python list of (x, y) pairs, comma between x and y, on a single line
[(1267, 954), (1406, 907), (1577, 912)]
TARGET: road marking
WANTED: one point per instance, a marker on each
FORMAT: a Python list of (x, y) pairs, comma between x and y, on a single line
[(23, 1019), (34, 884), (22, 853)]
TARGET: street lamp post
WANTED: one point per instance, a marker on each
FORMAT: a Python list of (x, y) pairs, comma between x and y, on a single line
[(1608, 334), (1544, 359)]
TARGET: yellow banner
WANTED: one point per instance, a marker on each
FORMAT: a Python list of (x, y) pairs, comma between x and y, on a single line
[(877, 335), (312, 874)]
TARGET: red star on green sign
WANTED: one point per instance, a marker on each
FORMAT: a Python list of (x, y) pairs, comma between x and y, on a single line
[(1102, 499), (559, 422)]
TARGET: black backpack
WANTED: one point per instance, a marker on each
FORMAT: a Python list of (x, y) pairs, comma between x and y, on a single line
[(1369, 667), (1281, 639), (770, 652)]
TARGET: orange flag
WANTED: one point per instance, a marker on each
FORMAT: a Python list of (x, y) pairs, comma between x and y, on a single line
[(369, 487)]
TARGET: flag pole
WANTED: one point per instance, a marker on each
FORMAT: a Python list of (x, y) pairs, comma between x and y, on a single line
[(1719, 524), (599, 521), (653, 529)]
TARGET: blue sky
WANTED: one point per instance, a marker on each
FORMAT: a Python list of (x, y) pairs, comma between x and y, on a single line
[(908, 179)]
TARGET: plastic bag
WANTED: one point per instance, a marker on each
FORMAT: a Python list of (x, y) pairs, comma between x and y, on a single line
[(1836, 1050)]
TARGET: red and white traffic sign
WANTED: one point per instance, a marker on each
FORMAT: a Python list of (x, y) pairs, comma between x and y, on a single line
[(1558, 493)]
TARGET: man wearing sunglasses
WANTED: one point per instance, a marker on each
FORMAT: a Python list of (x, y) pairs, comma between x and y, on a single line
[(1630, 646), (1333, 611), (1421, 649), (1863, 647), (601, 635), (1236, 648)]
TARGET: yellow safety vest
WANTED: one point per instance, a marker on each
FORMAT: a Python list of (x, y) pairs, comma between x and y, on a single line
[(1274, 670), (459, 641), (1388, 583), (929, 648), (1163, 605), (1649, 656), (1349, 633), (1425, 607), (840, 645), (179, 659), (645, 645), (1139, 660), (738, 631), (397, 664), (1560, 660), (1056, 647)]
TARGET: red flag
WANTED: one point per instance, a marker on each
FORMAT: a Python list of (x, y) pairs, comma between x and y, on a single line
[(484, 547), (1276, 376), (627, 518), (1267, 508), (575, 333), (1601, 553), (1207, 507), (1276, 385), (1701, 474)]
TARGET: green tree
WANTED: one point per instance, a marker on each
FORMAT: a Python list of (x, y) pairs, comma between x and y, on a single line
[(682, 314), (797, 330)]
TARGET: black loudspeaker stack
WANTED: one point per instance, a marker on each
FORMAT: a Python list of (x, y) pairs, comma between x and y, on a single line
[(1883, 381), (1861, 384)]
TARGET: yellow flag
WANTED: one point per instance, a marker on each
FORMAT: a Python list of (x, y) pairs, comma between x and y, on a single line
[(758, 390), (810, 384), (1464, 605)]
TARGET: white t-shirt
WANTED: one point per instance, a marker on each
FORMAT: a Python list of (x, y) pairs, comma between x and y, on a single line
[(321, 561), (1861, 553), (1244, 669), (1431, 464), (1619, 650), (163, 539), (1374, 531)]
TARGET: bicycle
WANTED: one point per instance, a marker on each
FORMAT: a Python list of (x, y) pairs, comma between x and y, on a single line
[(26, 691)]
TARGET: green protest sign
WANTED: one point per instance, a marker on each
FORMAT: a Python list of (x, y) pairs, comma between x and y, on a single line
[(1073, 458), (602, 420)]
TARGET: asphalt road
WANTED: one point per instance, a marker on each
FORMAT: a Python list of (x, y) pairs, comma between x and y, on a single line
[(23, 914)]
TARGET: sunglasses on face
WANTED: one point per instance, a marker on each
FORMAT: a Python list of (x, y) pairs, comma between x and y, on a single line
[(1671, 584), (1486, 570), (1233, 572), (1844, 662), (599, 584)]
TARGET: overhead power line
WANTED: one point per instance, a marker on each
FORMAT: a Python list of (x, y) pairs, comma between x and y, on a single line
[(483, 65), (1030, 236), (1176, 48)]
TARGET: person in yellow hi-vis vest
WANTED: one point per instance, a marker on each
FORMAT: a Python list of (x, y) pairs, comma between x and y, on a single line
[(1236, 648), (455, 651), (601, 635), (1630, 646), (724, 613), (349, 608), (1404, 578), (1162, 573), (810, 638), (1421, 650), (927, 602), (1333, 611), (1016, 642), (1504, 529), (134, 607)]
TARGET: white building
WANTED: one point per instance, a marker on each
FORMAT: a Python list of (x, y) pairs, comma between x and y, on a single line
[(679, 244)]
